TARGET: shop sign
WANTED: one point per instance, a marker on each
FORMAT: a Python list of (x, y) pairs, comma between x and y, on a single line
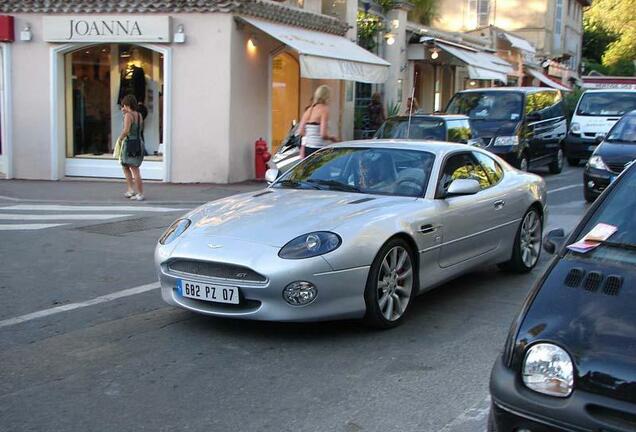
[(119, 28)]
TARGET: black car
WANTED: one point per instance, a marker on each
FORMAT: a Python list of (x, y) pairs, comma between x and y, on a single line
[(524, 125), (569, 362), (616, 151), (453, 128)]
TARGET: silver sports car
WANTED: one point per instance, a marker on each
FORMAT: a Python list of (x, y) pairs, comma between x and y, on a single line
[(356, 230)]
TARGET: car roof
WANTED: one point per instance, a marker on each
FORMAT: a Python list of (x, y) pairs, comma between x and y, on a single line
[(610, 90), (437, 147), (432, 116), (509, 89)]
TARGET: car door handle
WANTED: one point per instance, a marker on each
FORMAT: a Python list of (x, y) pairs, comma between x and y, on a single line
[(499, 204), (425, 229)]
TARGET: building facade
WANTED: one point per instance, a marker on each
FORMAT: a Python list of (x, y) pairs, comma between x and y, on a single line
[(213, 77)]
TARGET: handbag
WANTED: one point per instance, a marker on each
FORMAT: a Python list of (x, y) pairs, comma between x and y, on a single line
[(134, 145)]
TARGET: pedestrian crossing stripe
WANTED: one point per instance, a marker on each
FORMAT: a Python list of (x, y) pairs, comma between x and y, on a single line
[(54, 207), (27, 227), (74, 216)]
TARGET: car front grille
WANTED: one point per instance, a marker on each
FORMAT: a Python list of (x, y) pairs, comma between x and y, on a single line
[(215, 270)]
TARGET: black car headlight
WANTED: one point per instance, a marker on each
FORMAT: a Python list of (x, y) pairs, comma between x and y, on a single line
[(310, 245), (548, 369), (175, 230)]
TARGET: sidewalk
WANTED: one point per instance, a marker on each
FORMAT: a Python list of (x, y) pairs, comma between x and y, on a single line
[(111, 191)]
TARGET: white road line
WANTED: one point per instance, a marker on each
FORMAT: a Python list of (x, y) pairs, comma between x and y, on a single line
[(564, 188), (50, 207), (22, 227), (472, 417), (71, 306), (25, 217)]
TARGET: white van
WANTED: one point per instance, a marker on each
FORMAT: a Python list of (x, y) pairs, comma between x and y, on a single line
[(596, 112)]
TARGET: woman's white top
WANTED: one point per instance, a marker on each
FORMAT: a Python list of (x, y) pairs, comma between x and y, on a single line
[(312, 136)]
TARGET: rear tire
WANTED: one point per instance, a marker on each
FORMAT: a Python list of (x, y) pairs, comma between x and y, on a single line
[(391, 285), (574, 162), (526, 249), (557, 165)]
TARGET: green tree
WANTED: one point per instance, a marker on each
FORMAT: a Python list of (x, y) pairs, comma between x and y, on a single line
[(610, 35), (423, 11)]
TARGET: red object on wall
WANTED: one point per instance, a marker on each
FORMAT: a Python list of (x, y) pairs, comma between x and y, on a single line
[(261, 157), (7, 33)]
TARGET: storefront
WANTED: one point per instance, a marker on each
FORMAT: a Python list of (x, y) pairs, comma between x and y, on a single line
[(211, 82)]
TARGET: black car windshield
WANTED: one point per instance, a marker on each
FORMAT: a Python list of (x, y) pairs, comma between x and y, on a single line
[(606, 104), (421, 128), (624, 131), (617, 209), (487, 105), (383, 171)]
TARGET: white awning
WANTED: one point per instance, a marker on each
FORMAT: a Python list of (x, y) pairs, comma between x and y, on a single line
[(520, 43), (327, 56), (481, 65), (547, 80)]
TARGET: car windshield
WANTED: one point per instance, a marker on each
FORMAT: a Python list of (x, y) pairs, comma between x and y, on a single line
[(487, 105), (421, 128), (617, 209), (606, 104), (382, 171), (624, 130)]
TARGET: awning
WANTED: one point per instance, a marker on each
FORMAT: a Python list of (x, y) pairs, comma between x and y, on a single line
[(520, 43), (481, 65), (547, 80), (327, 56)]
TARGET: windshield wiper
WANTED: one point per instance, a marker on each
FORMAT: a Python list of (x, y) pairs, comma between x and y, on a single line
[(296, 184), (332, 184), (618, 245)]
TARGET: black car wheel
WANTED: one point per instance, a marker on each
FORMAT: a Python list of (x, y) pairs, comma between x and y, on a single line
[(391, 284), (588, 195), (527, 246), (557, 165), (573, 161)]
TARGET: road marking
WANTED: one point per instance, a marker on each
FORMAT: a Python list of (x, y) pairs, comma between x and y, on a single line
[(564, 188), (72, 306), (17, 216), (50, 207), (21, 227), (474, 418), (9, 198)]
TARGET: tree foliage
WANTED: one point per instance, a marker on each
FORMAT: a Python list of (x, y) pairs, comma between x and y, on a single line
[(610, 35), (423, 11)]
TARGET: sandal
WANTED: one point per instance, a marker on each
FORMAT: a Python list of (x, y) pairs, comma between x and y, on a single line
[(129, 194)]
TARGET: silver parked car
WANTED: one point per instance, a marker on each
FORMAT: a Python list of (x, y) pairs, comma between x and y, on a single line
[(356, 230)]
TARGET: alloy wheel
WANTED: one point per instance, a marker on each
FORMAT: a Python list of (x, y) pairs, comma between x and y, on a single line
[(395, 283), (530, 239), (560, 160)]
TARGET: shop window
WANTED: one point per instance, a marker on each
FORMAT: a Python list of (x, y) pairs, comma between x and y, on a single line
[(97, 78), (285, 96)]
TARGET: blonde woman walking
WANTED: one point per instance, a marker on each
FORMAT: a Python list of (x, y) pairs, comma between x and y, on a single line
[(314, 125)]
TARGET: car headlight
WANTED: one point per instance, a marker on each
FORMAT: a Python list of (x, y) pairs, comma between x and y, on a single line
[(548, 369), (175, 230), (310, 245), (506, 141), (597, 162), (575, 128)]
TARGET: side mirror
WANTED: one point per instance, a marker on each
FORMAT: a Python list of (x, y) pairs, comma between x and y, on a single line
[(599, 138), (271, 175), (463, 187), (553, 240)]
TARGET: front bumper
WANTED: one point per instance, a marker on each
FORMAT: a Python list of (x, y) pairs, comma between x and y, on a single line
[(595, 181), (577, 147), (340, 294), (515, 407)]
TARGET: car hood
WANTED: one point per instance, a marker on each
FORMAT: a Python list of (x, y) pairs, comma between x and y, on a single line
[(492, 128), (595, 323), (276, 216), (616, 152)]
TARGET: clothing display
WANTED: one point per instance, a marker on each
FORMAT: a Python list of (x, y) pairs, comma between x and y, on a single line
[(132, 81)]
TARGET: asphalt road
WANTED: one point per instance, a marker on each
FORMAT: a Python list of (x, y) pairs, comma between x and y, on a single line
[(76, 357)]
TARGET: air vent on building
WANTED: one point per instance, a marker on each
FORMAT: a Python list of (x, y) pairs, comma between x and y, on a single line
[(613, 285), (574, 277), (593, 281)]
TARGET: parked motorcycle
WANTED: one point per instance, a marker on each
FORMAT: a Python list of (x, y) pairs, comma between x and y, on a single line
[(289, 151)]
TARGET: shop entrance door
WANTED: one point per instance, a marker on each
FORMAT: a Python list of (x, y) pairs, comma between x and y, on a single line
[(285, 96)]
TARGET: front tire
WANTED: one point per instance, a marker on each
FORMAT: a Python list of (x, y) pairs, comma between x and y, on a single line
[(588, 195), (557, 165), (527, 246), (391, 284)]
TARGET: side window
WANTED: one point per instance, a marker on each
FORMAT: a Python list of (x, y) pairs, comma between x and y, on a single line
[(491, 167), (458, 131), (462, 166), (540, 103)]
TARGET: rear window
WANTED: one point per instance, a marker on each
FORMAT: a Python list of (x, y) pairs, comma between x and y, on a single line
[(420, 128), (606, 104)]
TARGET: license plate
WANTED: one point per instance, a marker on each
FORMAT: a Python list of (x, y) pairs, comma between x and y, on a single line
[(212, 293)]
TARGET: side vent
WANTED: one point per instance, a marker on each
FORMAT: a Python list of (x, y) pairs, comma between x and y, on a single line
[(574, 277), (613, 285), (262, 193), (361, 200), (593, 281)]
